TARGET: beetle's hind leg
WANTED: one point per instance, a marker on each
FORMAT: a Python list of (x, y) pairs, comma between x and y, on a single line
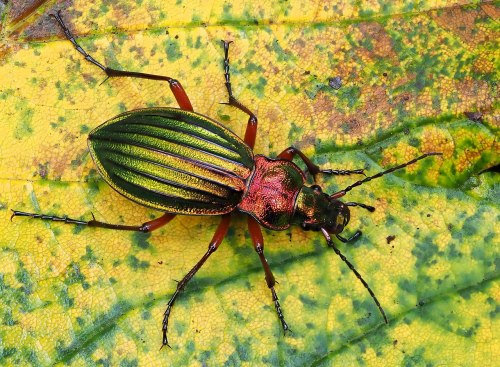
[(175, 86), (258, 243), (251, 131), (219, 235), (145, 227)]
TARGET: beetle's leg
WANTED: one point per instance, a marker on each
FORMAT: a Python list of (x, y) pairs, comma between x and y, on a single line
[(145, 227), (219, 235), (290, 152), (175, 86), (258, 243), (251, 131)]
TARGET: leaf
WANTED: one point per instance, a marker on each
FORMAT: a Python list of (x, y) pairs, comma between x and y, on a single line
[(354, 85)]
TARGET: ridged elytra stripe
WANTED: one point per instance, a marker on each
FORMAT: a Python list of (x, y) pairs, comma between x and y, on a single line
[(151, 198), (181, 160), (188, 123), (173, 160), (180, 150), (172, 136), (177, 164), (171, 177), (148, 181), (173, 147), (189, 130)]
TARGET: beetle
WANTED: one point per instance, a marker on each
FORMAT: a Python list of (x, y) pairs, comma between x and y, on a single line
[(181, 162)]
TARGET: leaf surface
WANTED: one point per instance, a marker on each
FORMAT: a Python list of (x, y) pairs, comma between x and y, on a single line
[(354, 85)]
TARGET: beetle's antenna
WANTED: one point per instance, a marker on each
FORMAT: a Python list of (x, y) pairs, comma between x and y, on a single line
[(354, 237), (380, 174), (337, 251), (361, 205)]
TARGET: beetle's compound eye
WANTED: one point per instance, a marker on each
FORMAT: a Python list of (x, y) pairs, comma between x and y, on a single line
[(341, 223)]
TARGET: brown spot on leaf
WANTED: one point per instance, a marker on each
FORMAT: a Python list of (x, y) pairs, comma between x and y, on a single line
[(381, 41), (22, 9), (464, 22)]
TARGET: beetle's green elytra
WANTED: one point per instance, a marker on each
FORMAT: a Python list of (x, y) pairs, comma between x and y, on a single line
[(172, 160)]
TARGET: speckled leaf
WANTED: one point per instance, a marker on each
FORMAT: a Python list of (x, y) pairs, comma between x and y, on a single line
[(354, 84)]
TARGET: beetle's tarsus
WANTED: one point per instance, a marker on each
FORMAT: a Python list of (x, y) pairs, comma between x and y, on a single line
[(176, 87), (277, 306), (251, 130), (212, 247), (71, 38), (312, 168), (47, 217), (165, 342), (166, 315)]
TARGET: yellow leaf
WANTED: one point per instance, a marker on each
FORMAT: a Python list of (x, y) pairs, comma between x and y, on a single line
[(361, 84)]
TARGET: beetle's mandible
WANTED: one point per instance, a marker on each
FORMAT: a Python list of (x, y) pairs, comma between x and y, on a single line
[(181, 162)]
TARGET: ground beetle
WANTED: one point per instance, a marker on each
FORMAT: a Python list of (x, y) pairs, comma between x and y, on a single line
[(181, 162)]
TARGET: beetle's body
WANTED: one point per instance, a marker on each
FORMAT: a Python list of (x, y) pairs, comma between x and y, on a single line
[(182, 162)]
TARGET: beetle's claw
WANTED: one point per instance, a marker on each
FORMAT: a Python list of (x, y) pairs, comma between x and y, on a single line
[(104, 81), (285, 328), (165, 342)]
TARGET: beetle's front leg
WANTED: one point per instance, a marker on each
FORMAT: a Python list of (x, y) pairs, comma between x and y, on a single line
[(251, 131), (219, 235), (290, 152), (258, 243), (175, 86)]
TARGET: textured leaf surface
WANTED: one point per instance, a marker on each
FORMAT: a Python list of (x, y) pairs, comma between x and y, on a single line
[(361, 84)]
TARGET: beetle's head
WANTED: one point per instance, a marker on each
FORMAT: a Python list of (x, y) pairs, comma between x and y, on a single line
[(315, 210), (339, 215)]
